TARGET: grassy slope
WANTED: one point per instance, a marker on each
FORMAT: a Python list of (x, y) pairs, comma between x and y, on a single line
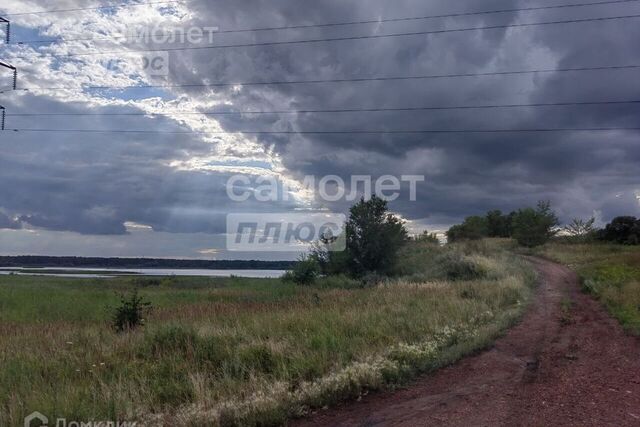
[(225, 351), (610, 272)]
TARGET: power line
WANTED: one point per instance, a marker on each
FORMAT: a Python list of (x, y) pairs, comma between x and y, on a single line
[(78, 9), (346, 110), (362, 22), (351, 38), (347, 132), (346, 80)]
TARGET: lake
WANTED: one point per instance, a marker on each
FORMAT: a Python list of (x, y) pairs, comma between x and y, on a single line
[(114, 272)]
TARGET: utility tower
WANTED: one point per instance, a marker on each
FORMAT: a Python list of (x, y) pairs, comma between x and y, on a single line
[(4, 64), (7, 33), (15, 73)]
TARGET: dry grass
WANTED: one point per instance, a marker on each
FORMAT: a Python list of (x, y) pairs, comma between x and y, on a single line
[(243, 352)]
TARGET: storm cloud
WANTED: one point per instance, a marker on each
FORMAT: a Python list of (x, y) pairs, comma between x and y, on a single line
[(94, 184)]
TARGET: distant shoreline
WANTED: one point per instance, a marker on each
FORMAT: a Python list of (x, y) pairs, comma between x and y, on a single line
[(140, 263)]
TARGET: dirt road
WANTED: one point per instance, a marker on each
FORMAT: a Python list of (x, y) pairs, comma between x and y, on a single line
[(564, 365)]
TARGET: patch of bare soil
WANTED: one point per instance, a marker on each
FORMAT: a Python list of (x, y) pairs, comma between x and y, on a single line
[(568, 363)]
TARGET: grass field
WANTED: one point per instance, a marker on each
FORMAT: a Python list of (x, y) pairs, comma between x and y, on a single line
[(246, 351), (610, 272)]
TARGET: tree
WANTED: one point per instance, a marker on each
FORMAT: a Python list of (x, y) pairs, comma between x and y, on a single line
[(623, 229), (580, 228), (498, 225), (427, 237), (534, 227), (473, 228), (330, 254), (374, 237)]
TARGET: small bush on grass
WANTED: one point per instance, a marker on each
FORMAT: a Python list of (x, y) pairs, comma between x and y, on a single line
[(130, 314)]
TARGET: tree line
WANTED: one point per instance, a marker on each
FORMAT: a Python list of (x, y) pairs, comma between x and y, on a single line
[(532, 227), (373, 238)]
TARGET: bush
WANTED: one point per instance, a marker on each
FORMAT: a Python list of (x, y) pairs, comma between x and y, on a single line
[(130, 314), (305, 272), (455, 266)]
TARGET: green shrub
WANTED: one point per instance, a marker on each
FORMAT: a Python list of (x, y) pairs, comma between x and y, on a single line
[(130, 314), (455, 266), (305, 272)]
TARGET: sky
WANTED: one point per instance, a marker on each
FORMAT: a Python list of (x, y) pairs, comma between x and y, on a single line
[(164, 192)]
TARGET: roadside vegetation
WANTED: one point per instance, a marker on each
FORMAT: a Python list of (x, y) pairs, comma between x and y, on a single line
[(607, 259), (233, 351), (608, 262), (530, 227), (610, 272)]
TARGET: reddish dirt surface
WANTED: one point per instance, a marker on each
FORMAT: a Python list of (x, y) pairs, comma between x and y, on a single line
[(559, 367)]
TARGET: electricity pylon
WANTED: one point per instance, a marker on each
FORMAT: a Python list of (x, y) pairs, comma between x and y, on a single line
[(9, 66), (15, 73), (7, 34)]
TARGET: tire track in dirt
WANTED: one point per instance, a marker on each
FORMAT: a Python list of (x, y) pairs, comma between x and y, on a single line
[(568, 363)]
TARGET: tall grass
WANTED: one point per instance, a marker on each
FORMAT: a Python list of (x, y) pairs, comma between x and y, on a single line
[(610, 272), (246, 352)]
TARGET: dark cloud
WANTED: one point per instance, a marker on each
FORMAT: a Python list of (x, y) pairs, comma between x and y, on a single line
[(94, 184), (466, 173)]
